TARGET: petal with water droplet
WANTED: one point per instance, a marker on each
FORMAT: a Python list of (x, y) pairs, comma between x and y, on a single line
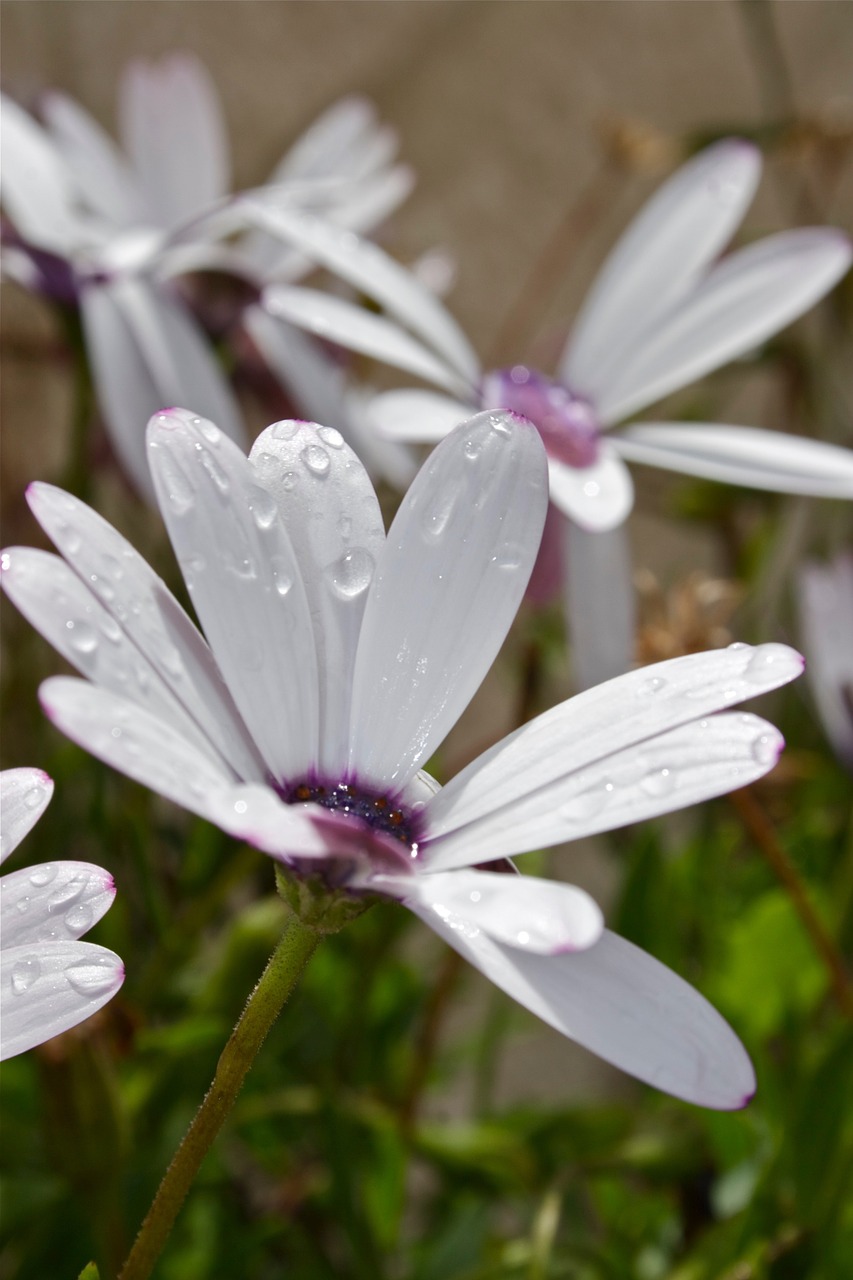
[(24, 795), (52, 911), (48, 987)]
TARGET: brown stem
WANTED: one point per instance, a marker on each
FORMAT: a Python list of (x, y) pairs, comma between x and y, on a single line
[(757, 825)]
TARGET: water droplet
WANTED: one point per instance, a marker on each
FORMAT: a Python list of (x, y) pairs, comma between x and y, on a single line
[(40, 876), (284, 430), (79, 918), (765, 750), (33, 798), (281, 575), (331, 437), (264, 509), (316, 459), (83, 638), (208, 430), (436, 518), (591, 489), (67, 538), (522, 937), (24, 974), (509, 557), (654, 684), (758, 669), (178, 488), (659, 782), (67, 894), (23, 905), (737, 644), (288, 481), (472, 450), (501, 426), (111, 629), (585, 805), (102, 589), (215, 472), (91, 977), (350, 575)]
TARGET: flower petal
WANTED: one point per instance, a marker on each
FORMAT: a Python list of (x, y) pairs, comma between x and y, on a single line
[(245, 582), (48, 987), (825, 596), (741, 455), (102, 175), (152, 620), (659, 257), (633, 710), (53, 902), (172, 128), (626, 1007), (37, 192), (599, 601), (750, 296), (135, 742), (330, 511), (598, 497), (335, 143), (368, 269), (446, 589), (522, 912), (24, 796), (147, 352), (340, 321), (420, 416)]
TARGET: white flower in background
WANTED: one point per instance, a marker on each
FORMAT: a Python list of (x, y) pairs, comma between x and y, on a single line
[(663, 312), (110, 228), (339, 659), (825, 597), (48, 980)]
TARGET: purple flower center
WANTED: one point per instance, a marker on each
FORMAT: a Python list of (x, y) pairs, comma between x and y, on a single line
[(381, 813), (566, 422)]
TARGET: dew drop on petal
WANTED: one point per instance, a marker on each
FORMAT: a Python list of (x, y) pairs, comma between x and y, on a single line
[(178, 489), (584, 806), (758, 667), (501, 427), (284, 430), (522, 937), (435, 519), (653, 685), (83, 638), (331, 437), (472, 450), (43, 875), (351, 573), (289, 480), (91, 977), (659, 782), (208, 430), (79, 918), (316, 459), (68, 894), (737, 644), (264, 509), (33, 798), (22, 905), (765, 750), (24, 974), (111, 629), (213, 469)]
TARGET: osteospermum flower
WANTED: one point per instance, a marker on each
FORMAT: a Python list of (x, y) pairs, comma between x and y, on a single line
[(110, 228), (662, 312), (48, 980), (338, 660)]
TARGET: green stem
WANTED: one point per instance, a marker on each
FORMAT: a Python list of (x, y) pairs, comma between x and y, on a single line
[(262, 1008)]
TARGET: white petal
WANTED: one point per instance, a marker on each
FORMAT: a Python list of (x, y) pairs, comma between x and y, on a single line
[(48, 987), (599, 600), (625, 1006), (146, 353), (543, 916), (135, 742), (329, 509), (151, 619), (328, 141), (681, 767), (53, 902), (258, 816), (750, 296), (24, 796), (598, 497), (367, 268), (374, 199), (825, 597), (633, 709), (337, 320), (420, 416), (37, 192), (172, 128), (102, 175), (446, 589), (674, 237), (741, 455), (246, 584)]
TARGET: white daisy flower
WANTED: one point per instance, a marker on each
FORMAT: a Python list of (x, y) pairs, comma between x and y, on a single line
[(48, 980), (825, 598), (108, 228), (662, 312), (339, 659)]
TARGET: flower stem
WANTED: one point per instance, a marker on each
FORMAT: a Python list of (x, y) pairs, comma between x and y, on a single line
[(262, 1008)]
